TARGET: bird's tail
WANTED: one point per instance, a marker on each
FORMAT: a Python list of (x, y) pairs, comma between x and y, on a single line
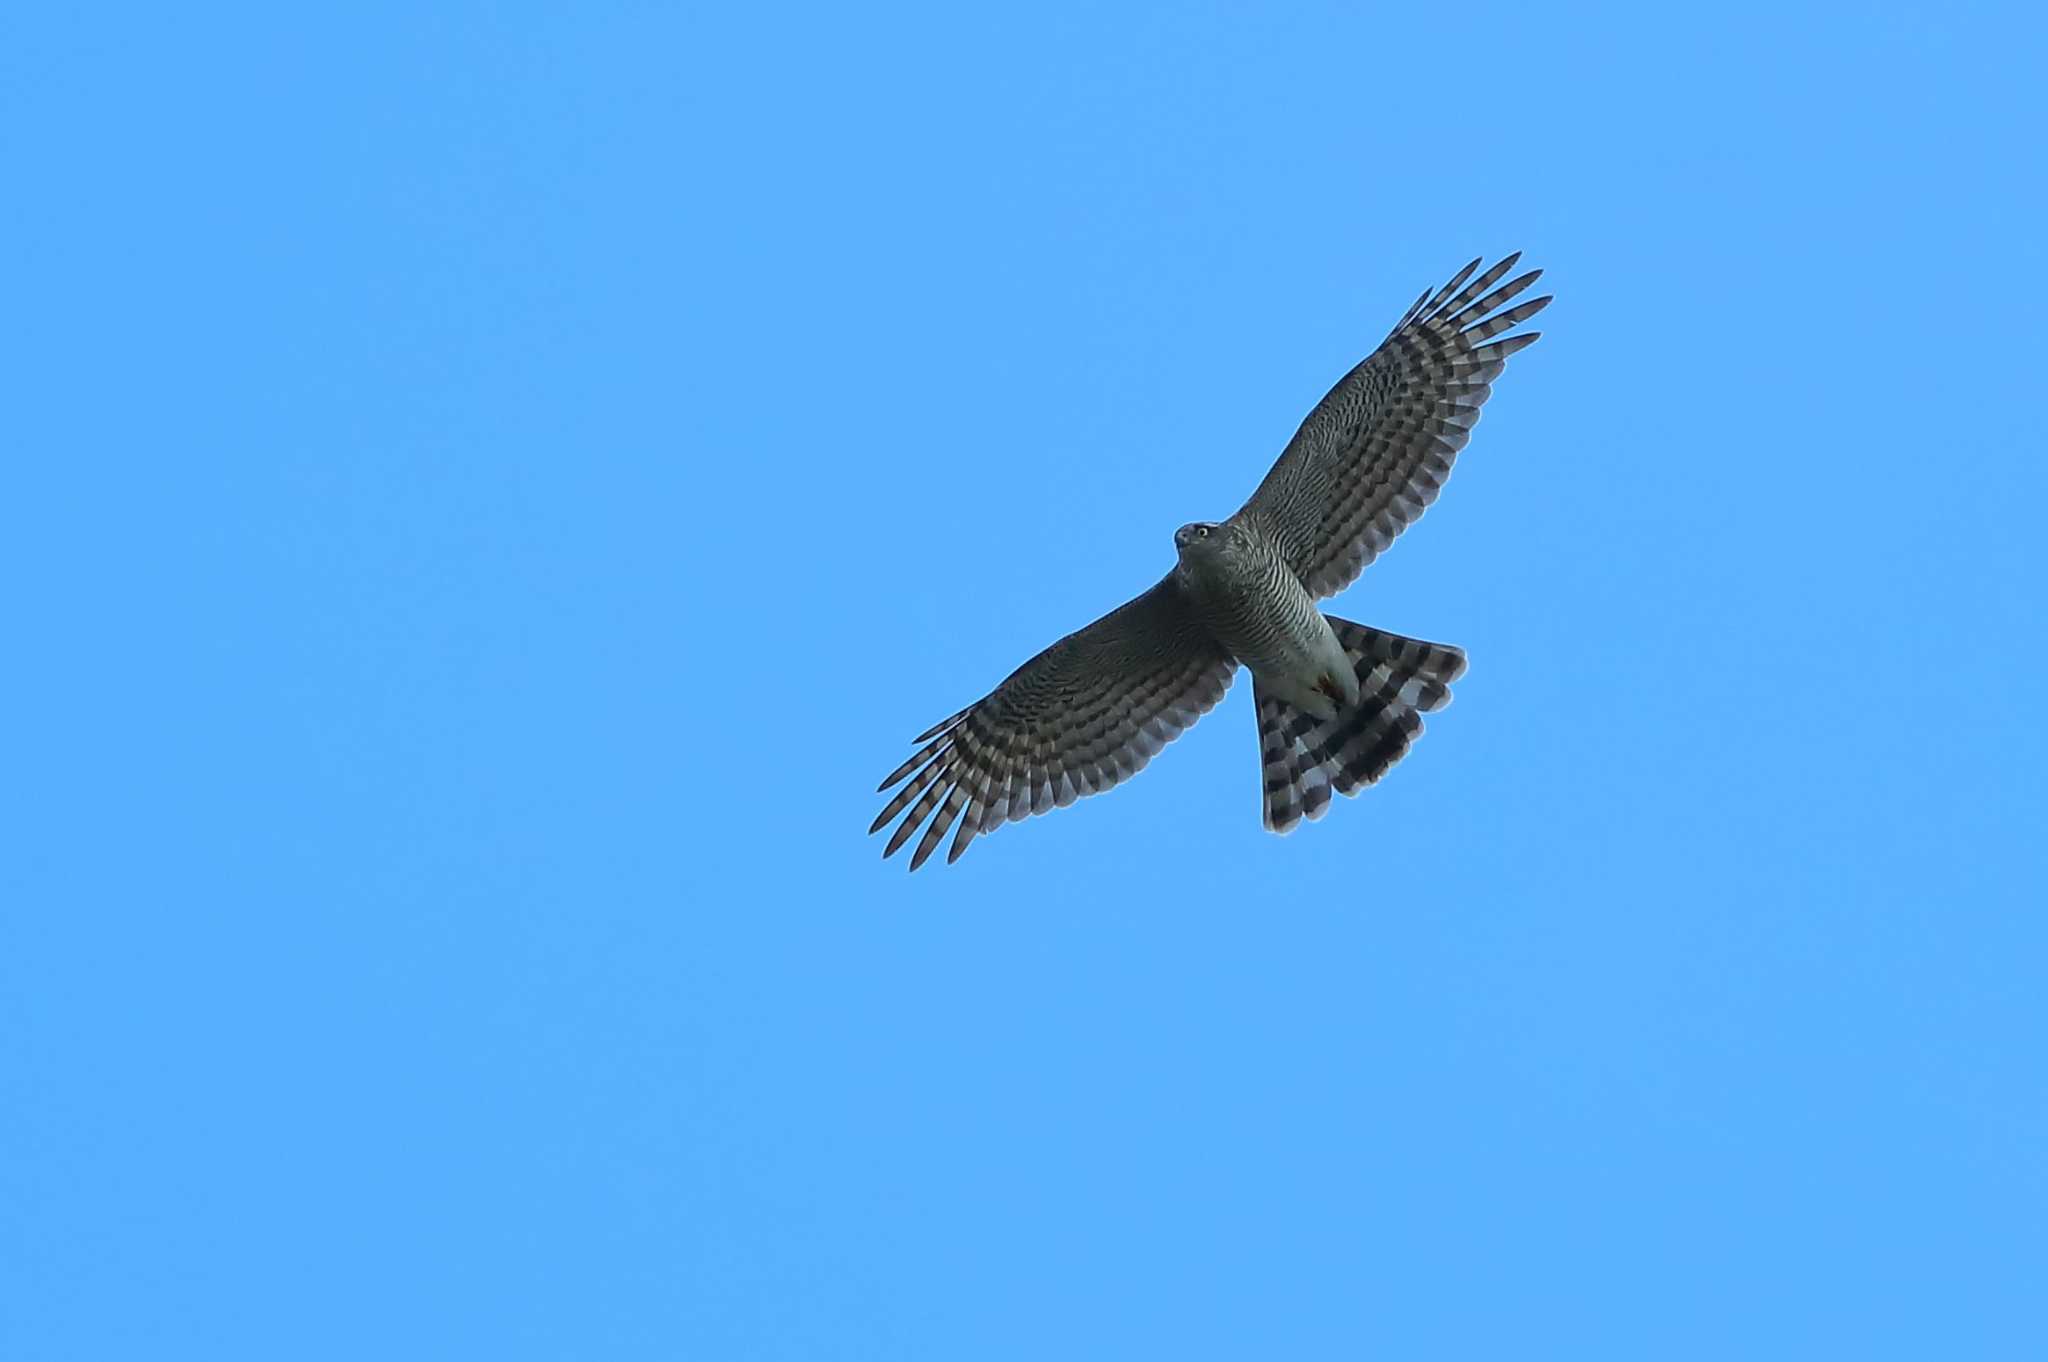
[(1303, 758)]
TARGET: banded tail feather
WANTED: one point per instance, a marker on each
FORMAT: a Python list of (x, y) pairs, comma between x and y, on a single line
[(1304, 759)]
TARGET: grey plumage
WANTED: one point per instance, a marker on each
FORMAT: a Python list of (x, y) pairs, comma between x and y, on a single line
[(1085, 714), (1375, 452), (1303, 759), (1338, 703)]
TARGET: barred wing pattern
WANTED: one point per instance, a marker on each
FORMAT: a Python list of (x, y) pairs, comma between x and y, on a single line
[(1376, 449), (1085, 714)]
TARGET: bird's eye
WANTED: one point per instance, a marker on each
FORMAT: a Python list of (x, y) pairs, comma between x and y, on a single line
[(1201, 531)]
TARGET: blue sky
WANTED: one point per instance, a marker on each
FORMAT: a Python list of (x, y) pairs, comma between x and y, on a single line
[(494, 489)]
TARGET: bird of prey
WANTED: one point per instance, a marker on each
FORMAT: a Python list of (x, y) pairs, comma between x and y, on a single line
[(1338, 703)]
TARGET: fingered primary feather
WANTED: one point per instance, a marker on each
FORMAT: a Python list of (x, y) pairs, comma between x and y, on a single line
[(1374, 453), (1085, 714)]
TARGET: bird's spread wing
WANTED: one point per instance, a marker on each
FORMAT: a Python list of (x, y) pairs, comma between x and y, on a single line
[(1085, 714), (1376, 450)]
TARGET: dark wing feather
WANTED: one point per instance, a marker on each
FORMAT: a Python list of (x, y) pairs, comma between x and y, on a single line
[(1377, 449), (1085, 714)]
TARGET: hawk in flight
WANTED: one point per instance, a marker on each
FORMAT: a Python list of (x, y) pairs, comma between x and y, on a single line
[(1338, 703)]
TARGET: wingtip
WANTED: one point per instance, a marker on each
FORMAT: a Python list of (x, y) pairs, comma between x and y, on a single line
[(898, 838)]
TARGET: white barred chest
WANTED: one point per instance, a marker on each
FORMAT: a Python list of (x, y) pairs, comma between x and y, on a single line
[(1253, 604)]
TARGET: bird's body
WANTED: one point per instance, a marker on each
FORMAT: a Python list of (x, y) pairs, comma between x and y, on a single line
[(1238, 584), (1338, 703)]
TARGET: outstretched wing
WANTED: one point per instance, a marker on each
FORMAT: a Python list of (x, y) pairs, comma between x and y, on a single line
[(1085, 714), (1376, 450)]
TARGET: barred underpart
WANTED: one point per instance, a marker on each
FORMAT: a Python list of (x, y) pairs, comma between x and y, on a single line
[(1303, 759)]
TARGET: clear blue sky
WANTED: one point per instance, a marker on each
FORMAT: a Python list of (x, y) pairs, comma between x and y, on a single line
[(491, 491)]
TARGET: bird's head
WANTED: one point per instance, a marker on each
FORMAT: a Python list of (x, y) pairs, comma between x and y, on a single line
[(1202, 537)]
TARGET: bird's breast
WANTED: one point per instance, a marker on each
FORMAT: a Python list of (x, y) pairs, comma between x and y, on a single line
[(1257, 608)]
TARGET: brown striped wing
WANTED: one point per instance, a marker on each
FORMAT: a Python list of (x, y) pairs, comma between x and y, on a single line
[(1376, 450), (1085, 714)]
